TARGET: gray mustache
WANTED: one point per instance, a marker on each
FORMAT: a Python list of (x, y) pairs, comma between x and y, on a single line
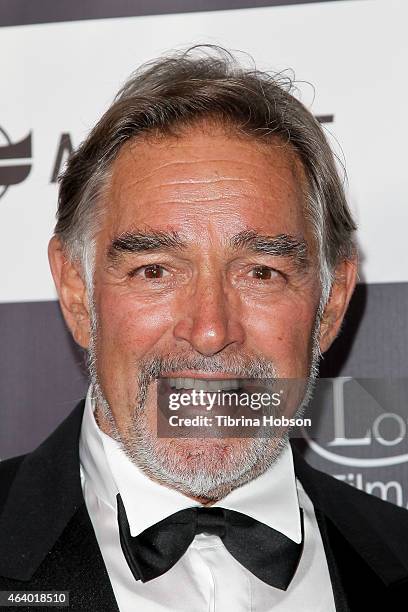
[(238, 365)]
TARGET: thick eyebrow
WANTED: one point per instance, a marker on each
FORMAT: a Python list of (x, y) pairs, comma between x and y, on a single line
[(141, 242), (281, 245)]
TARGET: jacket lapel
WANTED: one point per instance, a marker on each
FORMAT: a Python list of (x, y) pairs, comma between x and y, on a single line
[(367, 558), (54, 547)]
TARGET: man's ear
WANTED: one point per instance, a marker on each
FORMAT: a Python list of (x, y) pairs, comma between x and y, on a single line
[(341, 291), (72, 292)]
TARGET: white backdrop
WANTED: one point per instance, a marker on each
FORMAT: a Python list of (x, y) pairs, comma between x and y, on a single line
[(59, 78)]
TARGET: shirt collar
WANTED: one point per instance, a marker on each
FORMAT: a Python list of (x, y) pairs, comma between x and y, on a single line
[(271, 498)]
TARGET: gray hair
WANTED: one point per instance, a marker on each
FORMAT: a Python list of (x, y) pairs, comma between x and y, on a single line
[(205, 82)]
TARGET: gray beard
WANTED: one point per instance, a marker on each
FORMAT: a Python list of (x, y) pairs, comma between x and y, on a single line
[(201, 471)]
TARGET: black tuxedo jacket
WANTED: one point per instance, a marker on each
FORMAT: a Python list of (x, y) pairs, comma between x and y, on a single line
[(47, 540)]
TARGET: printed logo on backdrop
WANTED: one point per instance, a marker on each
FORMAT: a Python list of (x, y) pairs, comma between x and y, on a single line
[(15, 160), (359, 432)]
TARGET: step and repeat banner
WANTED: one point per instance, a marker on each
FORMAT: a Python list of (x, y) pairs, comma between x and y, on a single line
[(61, 65)]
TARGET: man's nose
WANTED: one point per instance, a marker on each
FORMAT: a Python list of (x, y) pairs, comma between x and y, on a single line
[(209, 317)]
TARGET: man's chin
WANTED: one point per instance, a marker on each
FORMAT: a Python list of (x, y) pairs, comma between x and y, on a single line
[(205, 467), (204, 451)]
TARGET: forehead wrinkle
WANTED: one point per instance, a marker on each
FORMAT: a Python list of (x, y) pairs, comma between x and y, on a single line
[(189, 162), (267, 154), (195, 200), (206, 188), (192, 138), (215, 179), (155, 181), (240, 160), (210, 190)]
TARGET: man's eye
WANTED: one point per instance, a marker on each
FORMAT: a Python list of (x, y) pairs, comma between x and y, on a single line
[(263, 273), (152, 271)]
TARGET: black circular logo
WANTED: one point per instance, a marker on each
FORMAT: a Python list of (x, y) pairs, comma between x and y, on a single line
[(14, 168)]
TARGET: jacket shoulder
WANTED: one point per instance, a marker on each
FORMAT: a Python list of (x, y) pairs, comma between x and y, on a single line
[(8, 471)]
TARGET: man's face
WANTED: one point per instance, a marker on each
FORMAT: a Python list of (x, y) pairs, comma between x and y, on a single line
[(235, 286)]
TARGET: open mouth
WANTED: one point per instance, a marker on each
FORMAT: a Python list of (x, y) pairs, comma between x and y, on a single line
[(201, 406), (205, 384), (196, 396)]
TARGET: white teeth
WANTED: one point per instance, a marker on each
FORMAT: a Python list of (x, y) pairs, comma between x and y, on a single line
[(204, 384)]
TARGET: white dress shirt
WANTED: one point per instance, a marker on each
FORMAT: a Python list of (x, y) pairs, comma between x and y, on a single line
[(207, 577)]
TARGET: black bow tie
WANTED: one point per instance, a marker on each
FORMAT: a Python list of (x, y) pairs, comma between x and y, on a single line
[(265, 552)]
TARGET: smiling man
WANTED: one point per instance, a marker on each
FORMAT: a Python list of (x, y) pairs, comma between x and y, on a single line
[(203, 237)]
